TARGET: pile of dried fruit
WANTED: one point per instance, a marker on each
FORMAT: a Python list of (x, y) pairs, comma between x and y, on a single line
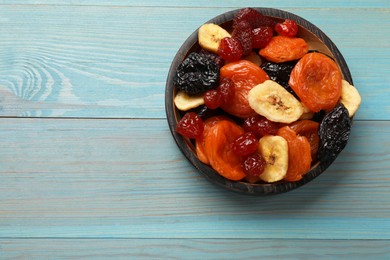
[(258, 104)]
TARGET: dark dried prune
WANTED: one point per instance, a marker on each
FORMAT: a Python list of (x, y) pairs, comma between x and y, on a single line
[(334, 132), (280, 72), (196, 74), (216, 58)]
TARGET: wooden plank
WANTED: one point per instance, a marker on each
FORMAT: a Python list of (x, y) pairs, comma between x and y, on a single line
[(193, 249), (215, 4), (113, 62), (127, 179)]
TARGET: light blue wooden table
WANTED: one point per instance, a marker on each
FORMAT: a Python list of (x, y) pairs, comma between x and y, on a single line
[(88, 167)]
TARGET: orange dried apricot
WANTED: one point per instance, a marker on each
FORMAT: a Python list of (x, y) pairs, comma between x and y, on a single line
[(299, 154), (308, 129), (283, 48), (216, 147), (317, 80), (245, 75)]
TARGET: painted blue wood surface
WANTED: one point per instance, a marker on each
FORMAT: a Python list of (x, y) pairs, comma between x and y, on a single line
[(93, 172), (97, 61)]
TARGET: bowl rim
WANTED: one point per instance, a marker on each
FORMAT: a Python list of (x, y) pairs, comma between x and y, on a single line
[(187, 148)]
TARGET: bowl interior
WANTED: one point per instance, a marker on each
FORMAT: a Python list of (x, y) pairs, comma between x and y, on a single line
[(317, 41)]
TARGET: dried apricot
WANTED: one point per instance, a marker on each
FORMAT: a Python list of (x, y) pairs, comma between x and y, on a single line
[(308, 129), (299, 154), (199, 144), (283, 48), (219, 135), (317, 80), (245, 75)]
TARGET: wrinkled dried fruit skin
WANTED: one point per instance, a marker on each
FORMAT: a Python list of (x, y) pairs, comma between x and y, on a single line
[(243, 33), (280, 72), (334, 132), (196, 74), (218, 151), (299, 154), (230, 49), (309, 129), (216, 58), (317, 81), (190, 125), (245, 75), (283, 49)]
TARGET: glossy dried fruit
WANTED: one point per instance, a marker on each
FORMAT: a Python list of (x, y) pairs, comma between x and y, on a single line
[(196, 74), (245, 144), (200, 142), (218, 151), (245, 76), (288, 28), (190, 125), (253, 17), (230, 49), (242, 32), (261, 36), (317, 81), (226, 89), (334, 132), (212, 99), (282, 49), (253, 166), (299, 154), (308, 129), (280, 72), (260, 126)]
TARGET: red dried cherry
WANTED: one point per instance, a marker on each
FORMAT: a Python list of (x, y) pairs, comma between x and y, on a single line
[(213, 99), (288, 28), (190, 125), (230, 49), (253, 165), (245, 144), (261, 36), (226, 89), (260, 126)]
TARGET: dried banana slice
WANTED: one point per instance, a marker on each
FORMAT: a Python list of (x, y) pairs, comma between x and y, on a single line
[(210, 35), (185, 102), (274, 102), (274, 150), (350, 97)]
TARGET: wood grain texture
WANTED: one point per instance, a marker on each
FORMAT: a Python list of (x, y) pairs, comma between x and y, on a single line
[(99, 61), (193, 249), (109, 179), (212, 4), (88, 167)]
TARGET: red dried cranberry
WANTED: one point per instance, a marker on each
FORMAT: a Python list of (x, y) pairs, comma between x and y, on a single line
[(190, 125), (245, 144), (230, 49), (243, 33), (253, 165), (213, 99), (226, 89), (288, 28), (260, 126), (261, 36)]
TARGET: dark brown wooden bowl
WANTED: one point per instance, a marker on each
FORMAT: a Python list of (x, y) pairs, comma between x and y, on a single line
[(317, 41)]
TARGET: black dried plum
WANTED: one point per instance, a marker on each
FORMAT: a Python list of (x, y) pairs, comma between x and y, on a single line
[(280, 72), (215, 57), (334, 132), (196, 74)]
